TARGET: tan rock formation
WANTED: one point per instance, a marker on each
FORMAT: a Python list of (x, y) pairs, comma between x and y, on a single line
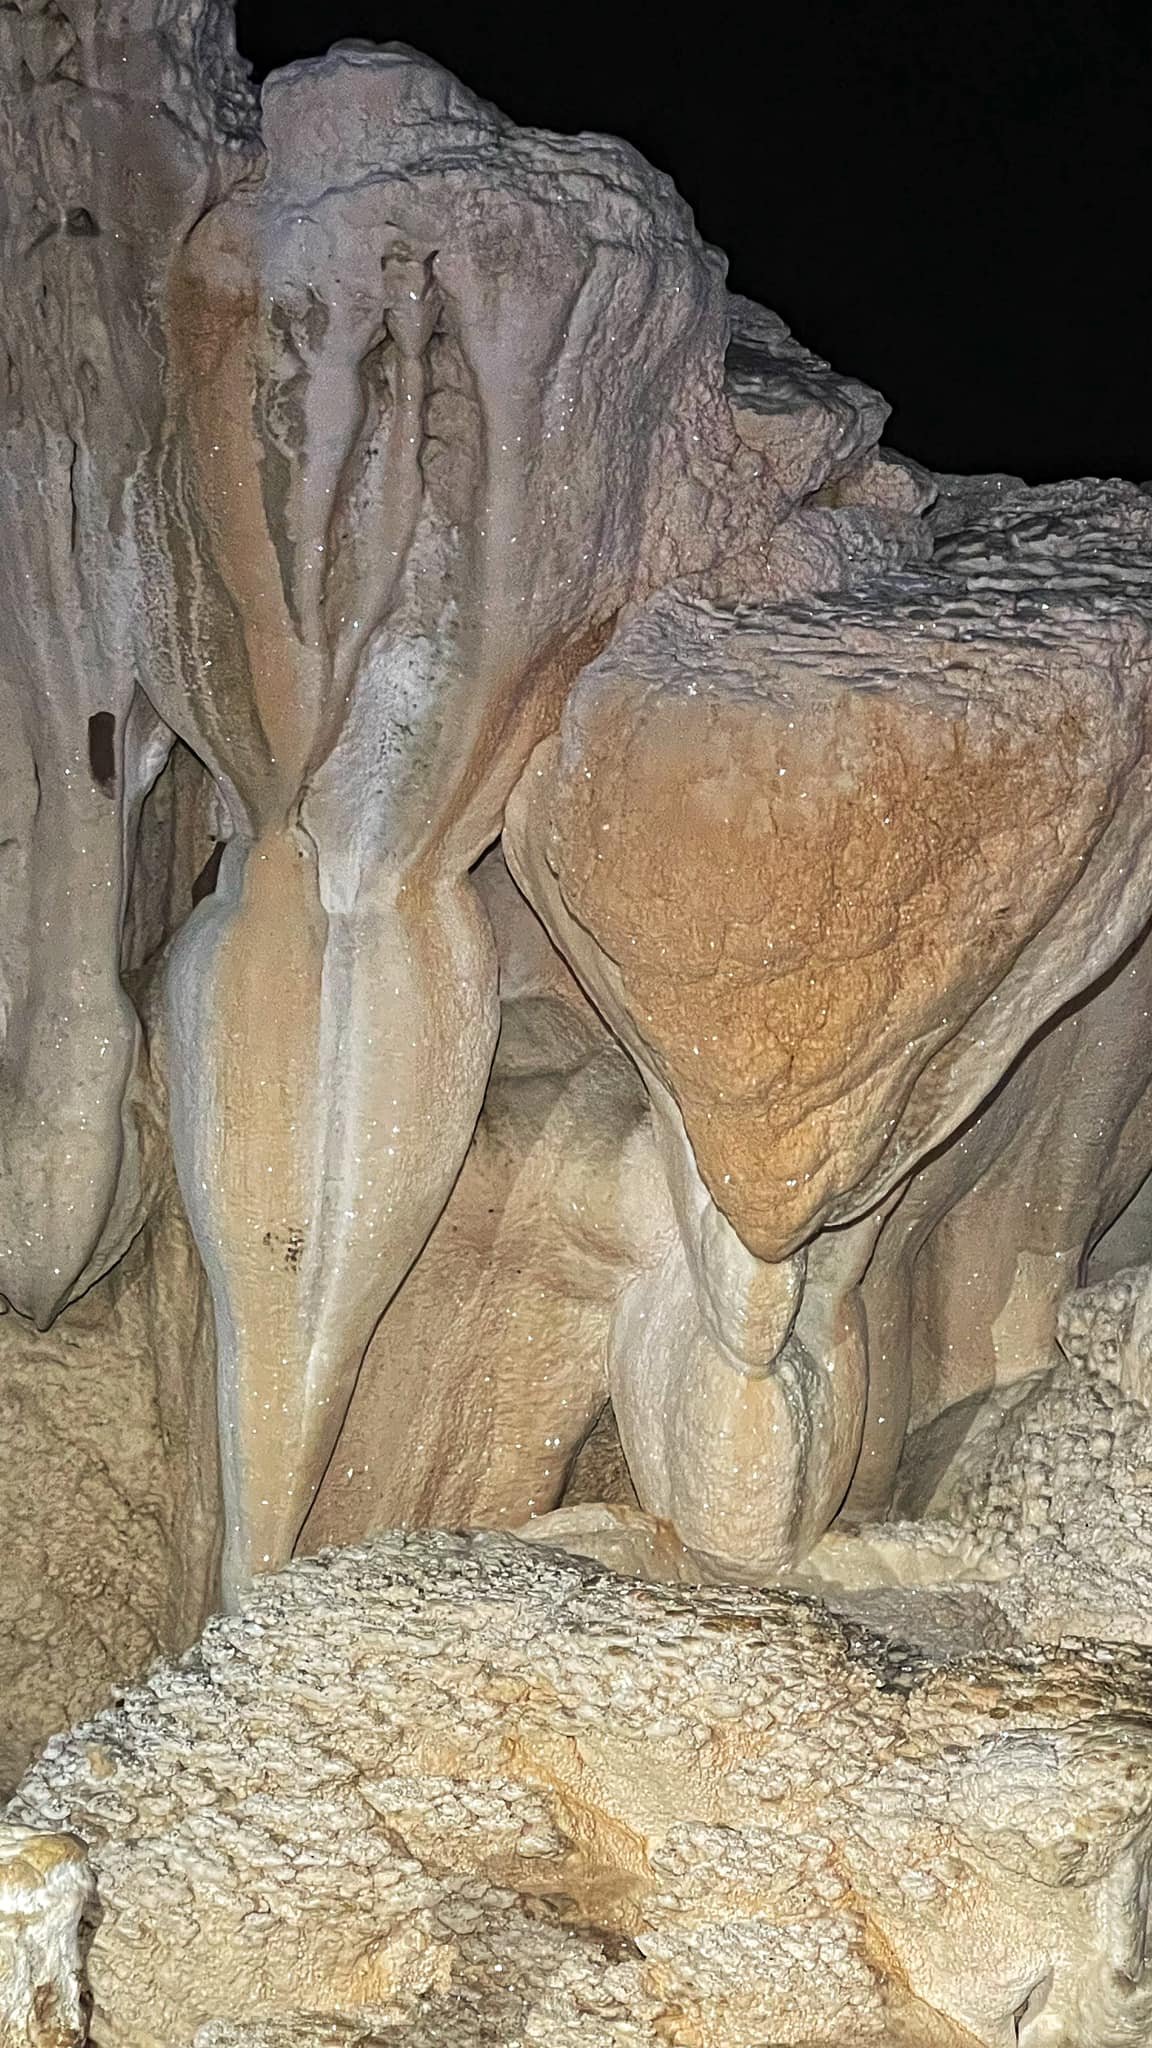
[(100, 183), (388, 457), (490, 1366), (109, 1482), (453, 2021), (1040, 1489), (391, 618), (45, 1884), (322, 502), (969, 1273), (478, 1775), (827, 815), (964, 1283), (1028, 1517), (109, 1496), (825, 869), (314, 552)]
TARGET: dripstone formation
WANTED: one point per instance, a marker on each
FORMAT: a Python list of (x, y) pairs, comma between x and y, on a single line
[(574, 969)]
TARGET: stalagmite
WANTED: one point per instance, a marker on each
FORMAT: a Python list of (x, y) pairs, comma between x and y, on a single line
[(380, 549)]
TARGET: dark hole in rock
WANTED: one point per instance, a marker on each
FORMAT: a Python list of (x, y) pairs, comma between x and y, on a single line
[(102, 750), (205, 882)]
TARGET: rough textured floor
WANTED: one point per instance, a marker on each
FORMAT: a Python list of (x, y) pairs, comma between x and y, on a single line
[(490, 1793)]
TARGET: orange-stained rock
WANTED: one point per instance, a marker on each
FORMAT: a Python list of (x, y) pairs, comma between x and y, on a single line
[(996, 1226), (808, 845), (416, 504), (355, 417), (826, 868)]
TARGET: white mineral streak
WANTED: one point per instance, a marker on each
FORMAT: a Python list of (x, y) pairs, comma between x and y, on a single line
[(45, 1884)]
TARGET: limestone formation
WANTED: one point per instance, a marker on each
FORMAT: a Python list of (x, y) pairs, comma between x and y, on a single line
[(993, 1232), (1022, 1514), (490, 1367), (962, 1288), (826, 869), (109, 1496), (574, 959), (973, 1265), (1046, 1479), (479, 1777), (97, 190), (368, 516), (109, 1481), (45, 1884)]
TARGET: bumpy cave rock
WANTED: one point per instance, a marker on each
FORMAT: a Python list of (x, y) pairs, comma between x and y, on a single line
[(353, 435), (575, 964), (473, 1781), (358, 422), (825, 869)]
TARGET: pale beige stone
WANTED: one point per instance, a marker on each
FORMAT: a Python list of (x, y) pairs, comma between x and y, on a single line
[(113, 143), (109, 1490), (1044, 1486), (317, 501), (109, 1479), (1033, 1518), (435, 1775), (45, 1884), (490, 1366), (826, 868), (622, 1538)]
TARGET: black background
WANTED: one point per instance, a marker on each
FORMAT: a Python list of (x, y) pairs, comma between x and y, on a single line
[(953, 202)]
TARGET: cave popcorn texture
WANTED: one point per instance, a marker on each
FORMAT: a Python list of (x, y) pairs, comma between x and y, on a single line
[(574, 929)]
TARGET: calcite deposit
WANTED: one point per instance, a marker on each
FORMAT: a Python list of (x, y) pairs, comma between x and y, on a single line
[(476, 1779), (575, 965), (45, 1888)]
